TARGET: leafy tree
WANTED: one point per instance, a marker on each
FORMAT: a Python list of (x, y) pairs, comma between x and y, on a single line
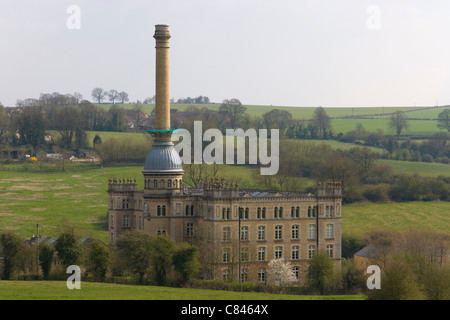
[(234, 110), (31, 125), (135, 250), (162, 249), (46, 256), (444, 120), (185, 260), (68, 246), (99, 259), (399, 122), (12, 246), (398, 282), (321, 272), (322, 122), (277, 119)]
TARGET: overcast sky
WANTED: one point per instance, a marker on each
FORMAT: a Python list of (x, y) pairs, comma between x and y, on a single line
[(280, 52)]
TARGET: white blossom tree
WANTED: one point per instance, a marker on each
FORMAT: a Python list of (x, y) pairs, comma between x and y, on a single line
[(280, 272)]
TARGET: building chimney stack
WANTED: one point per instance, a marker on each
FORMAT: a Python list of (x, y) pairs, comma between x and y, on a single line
[(162, 93)]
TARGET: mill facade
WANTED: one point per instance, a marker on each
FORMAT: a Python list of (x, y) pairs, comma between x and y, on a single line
[(237, 231)]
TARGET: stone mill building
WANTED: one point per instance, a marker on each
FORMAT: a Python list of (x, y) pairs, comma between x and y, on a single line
[(237, 231)]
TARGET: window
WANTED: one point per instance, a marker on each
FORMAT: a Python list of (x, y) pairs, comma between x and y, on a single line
[(243, 213), (311, 231), (295, 272), (330, 250), (295, 212), (329, 211), (278, 232), (169, 184), (187, 210), (311, 212), (261, 253), (295, 253), (158, 210), (295, 232), (262, 275), (155, 184), (278, 213), (140, 222), (226, 274), (112, 237), (244, 254), (226, 233), (126, 221), (189, 229), (112, 221), (244, 233), (311, 251), (161, 232), (226, 255), (329, 231), (244, 275), (278, 252), (261, 233), (163, 213), (261, 213), (225, 213), (192, 209)]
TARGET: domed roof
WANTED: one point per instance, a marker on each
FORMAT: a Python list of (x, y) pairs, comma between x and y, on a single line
[(163, 158)]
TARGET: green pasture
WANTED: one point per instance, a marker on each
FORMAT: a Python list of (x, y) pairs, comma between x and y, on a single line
[(57, 290), (421, 168), (359, 218)]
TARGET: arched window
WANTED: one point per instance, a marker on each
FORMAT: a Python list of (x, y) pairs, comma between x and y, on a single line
[(169, 184), (155, 184), (158, 210), (162, 184), (163, 213)]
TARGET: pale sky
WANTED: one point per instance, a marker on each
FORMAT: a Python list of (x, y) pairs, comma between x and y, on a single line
[(280, 52)]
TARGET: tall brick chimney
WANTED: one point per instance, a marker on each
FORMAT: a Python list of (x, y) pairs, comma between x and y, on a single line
[(162, 92)]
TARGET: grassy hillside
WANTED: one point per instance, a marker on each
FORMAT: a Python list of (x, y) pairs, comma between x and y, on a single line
[(359, 218)]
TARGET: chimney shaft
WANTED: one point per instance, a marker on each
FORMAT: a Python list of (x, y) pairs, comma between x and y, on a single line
[(162, 93)]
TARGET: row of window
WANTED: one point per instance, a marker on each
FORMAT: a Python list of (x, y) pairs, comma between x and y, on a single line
[(277, 213), (161, 184), (278, 232), (278, 253), (226, 274)]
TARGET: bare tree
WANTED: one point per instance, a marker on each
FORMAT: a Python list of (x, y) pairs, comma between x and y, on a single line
[(123, 96), (399, 122), (98, 94), (113, 95)]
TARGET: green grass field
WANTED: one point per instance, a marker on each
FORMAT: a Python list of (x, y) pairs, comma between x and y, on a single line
[(359, 218), (57, 290), (425, 126)]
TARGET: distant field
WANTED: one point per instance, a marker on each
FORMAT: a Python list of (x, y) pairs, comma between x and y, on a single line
[(421, 168), (57, 290), (359, 218), (417, 127)]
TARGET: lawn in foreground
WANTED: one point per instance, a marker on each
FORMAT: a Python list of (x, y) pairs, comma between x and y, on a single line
[(57, 290)]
